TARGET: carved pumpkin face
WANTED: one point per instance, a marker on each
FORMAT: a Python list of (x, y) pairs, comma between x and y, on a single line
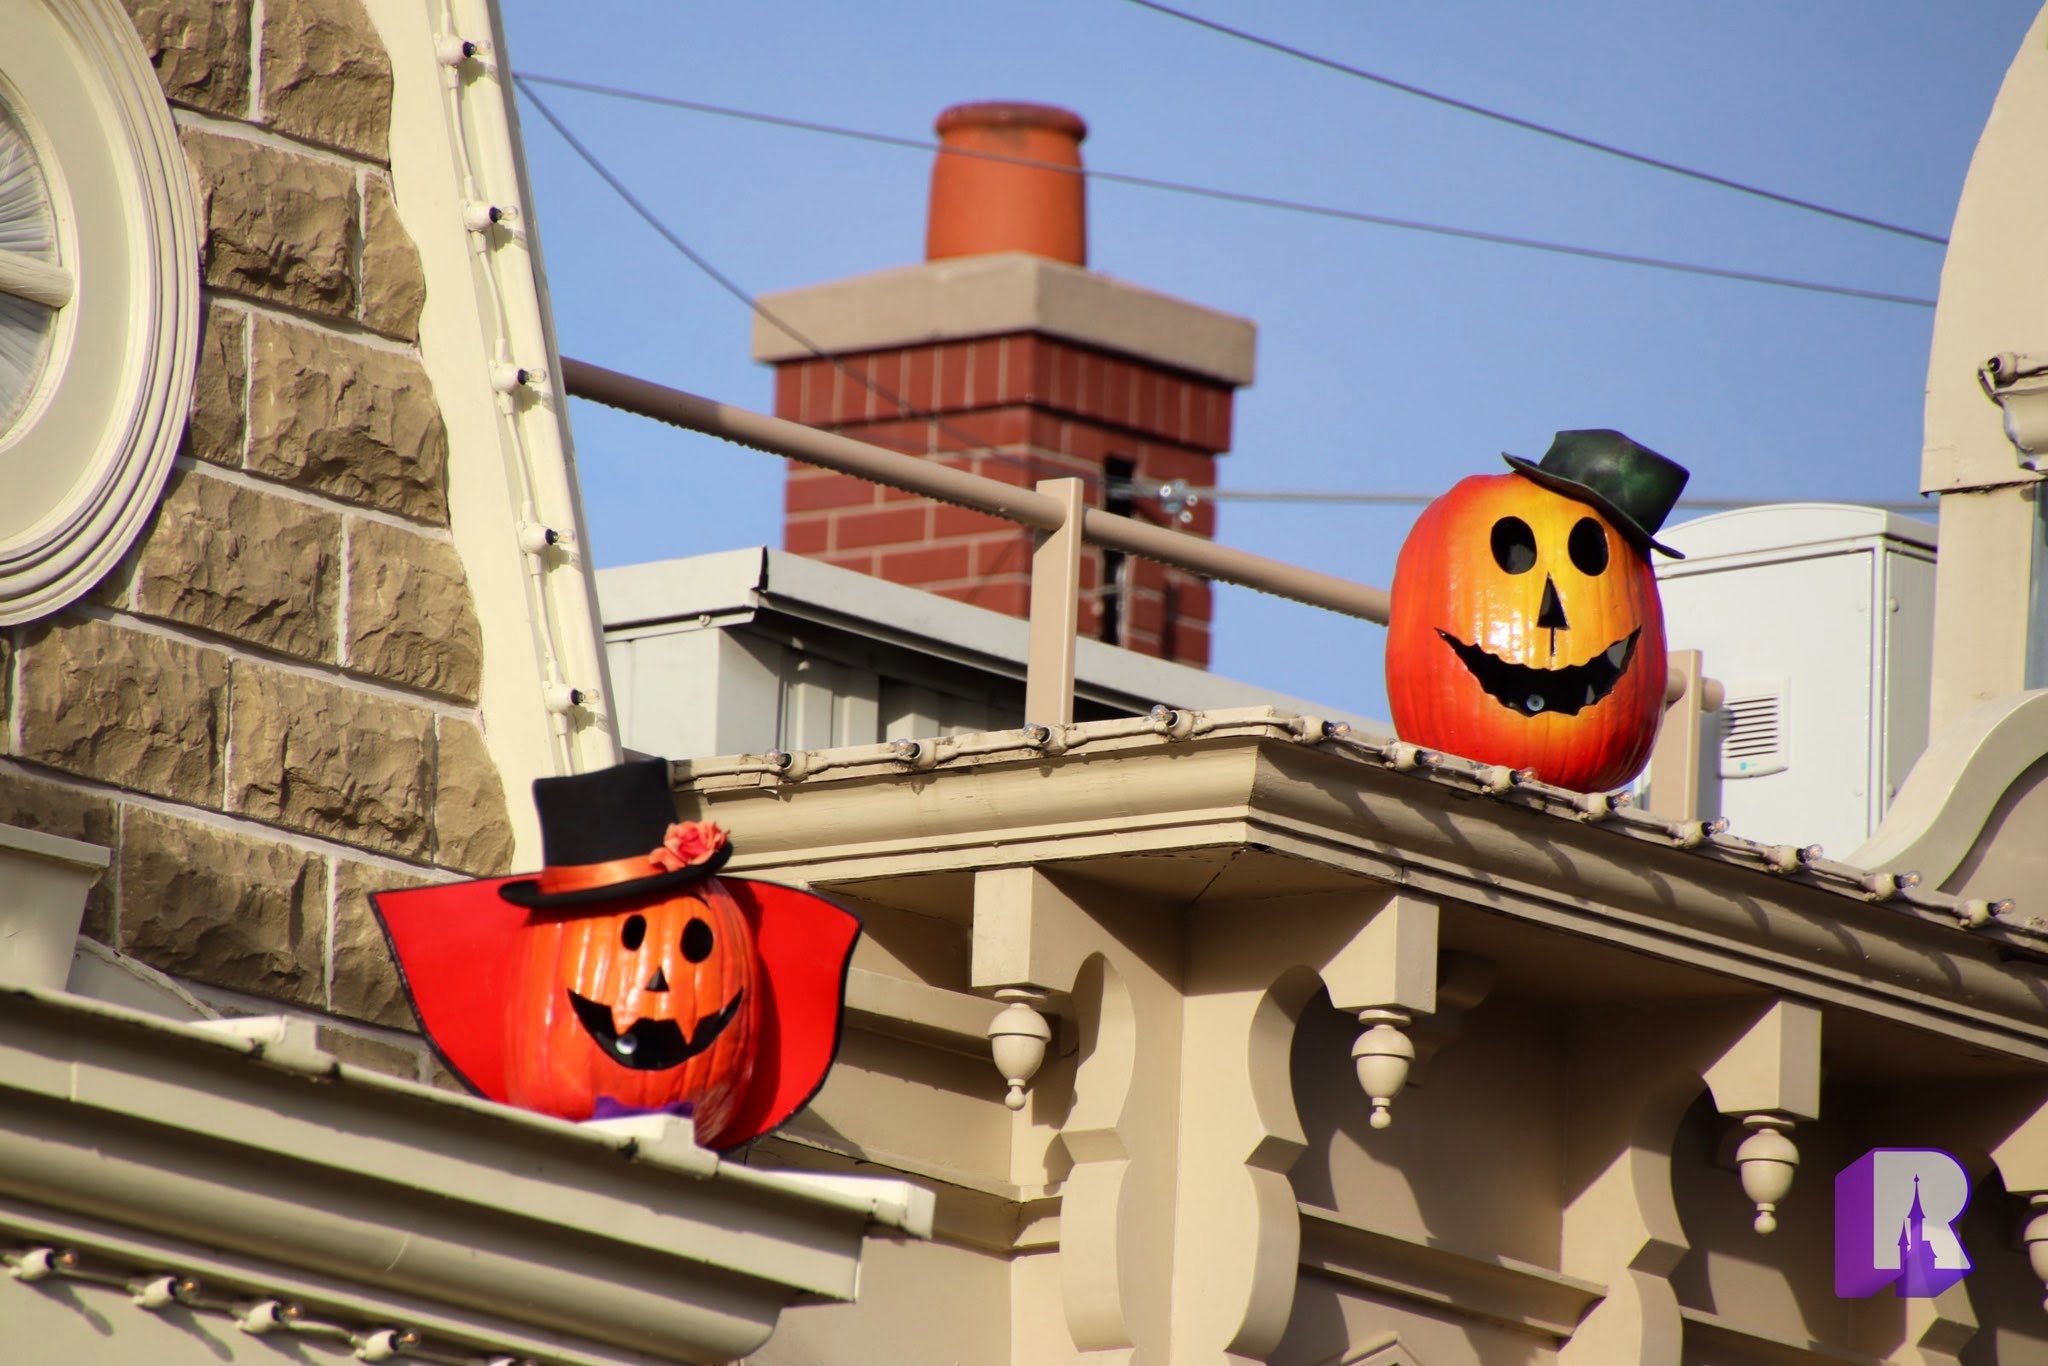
[(1526, 631), (647, 1003)]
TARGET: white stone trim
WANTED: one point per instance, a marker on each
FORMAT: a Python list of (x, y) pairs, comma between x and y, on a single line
[(243, 1174), (455, 142), (1009, 292), (118, 383)]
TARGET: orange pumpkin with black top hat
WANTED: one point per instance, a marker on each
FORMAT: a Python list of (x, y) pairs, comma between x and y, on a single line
[(1525, 627), (627, 977)]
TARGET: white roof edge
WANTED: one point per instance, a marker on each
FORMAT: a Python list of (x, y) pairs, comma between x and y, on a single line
[(684, 590), (55, 848), (233, 1121), (665, 590), (1785, 526)]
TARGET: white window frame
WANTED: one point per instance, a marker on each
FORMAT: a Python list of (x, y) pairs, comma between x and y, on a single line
[(83, 463)]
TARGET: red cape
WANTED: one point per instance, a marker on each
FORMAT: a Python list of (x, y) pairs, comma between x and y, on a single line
[(454, 945)]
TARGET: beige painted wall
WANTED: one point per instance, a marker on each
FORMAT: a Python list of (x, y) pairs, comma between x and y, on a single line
[(1993, 299)]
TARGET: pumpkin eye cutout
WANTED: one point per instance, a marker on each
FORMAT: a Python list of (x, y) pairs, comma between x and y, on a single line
[(1514, 545), (698, 941), (634, 932), (1588, 547)]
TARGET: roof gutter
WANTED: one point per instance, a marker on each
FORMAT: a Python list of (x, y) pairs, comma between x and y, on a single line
[(238, 1154)]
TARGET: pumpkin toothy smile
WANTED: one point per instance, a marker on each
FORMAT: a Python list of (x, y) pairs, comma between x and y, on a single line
[(651, 1045), (1566, 691)]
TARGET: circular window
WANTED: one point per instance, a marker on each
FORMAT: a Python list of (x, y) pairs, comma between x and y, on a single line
[(99, 298), (33, 286)]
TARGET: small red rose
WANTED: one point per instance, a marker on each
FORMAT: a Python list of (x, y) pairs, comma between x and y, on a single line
[(687, 844)]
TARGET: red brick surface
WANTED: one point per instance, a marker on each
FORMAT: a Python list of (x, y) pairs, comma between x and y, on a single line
[(810, 489), (1008, 426), (892, 526), (985, 373), (1006, 554), (920, 378), (1049, 374), (953, 362), (1006, 595), (1189, 643), (807, 535), (1018, 409), (928, 565)]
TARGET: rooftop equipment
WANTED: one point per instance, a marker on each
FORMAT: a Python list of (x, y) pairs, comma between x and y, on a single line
[(1818, 618)]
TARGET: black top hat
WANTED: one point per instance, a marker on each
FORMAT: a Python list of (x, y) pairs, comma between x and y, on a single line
[(1632, 484), (596, 826)]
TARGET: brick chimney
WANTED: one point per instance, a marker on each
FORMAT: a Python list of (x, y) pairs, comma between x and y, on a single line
[(1006, 356)]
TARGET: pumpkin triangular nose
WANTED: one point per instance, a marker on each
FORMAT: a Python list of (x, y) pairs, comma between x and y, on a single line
[(1550, 616), (660, 982)]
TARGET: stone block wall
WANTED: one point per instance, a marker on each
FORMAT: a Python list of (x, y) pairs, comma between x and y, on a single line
[(270, 708)]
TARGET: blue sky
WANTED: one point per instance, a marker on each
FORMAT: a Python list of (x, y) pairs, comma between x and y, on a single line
[(1388, 361)]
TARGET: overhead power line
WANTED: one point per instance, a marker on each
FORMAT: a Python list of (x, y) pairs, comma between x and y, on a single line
[(971, 445), (527, 80), (1543, 129), (1172, 495), (1154, 489)]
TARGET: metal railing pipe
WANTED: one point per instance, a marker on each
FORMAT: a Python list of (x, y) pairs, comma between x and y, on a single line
[(778, 436), (1214, 561), (914, 474)]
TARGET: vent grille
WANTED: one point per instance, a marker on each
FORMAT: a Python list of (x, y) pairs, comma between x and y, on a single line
[(1754, 741)]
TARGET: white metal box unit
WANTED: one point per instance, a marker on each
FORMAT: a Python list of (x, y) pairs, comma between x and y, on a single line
[(750, 650), (1818, 618)]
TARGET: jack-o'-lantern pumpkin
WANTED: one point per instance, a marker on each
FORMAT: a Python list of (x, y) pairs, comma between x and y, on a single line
[(628, 977), (1525, 627), (649, 1006)]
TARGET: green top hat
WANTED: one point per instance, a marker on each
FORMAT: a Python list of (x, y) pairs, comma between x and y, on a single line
[(1632, 484)]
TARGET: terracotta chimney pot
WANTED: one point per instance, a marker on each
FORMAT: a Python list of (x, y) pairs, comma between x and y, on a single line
[(981, 205)]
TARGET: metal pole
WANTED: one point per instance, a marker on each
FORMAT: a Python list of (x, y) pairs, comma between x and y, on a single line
[(810, 445), (1675, 758), (1055, 609), (1213, 561), (933, 480)]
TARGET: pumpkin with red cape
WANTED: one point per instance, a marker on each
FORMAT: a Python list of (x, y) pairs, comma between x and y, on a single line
[(628, 977)]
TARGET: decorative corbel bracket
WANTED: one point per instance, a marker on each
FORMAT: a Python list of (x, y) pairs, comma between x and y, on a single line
[(1769, 1079), (1386, 974), (2022, 1162), (1035, 945), (1017, 1038), (1029, 942)]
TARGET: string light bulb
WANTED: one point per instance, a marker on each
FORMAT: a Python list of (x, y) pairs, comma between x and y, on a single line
[(480, 217), (449, 50)]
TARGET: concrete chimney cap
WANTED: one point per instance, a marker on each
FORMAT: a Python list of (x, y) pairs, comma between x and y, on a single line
[(1011, 113)]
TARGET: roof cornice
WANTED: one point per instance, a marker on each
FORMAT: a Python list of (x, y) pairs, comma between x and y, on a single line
[(1772, 916), (239, 1154)]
